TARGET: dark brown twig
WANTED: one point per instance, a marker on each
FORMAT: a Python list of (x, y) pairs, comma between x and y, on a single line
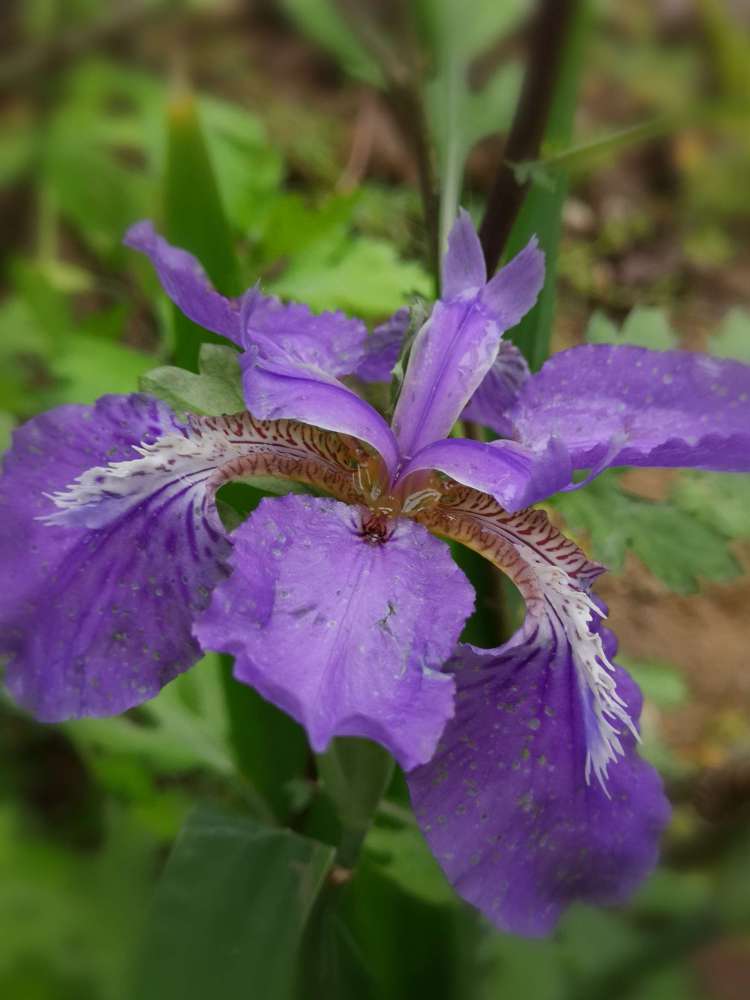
[(549, 33)]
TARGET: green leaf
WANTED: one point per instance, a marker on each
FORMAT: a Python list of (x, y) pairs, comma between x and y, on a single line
[(719, 500), (230, 911), (644, 327), (676, 546), (541, 213), (403, 856), (355, 773), (661, 684), (217, 389), (195, 218), (733, 337), (459, 115), (90, 366), (320, 21), (362, 276), (183, 728)]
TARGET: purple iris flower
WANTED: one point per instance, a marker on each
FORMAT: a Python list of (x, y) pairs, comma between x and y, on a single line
[(346, 610)]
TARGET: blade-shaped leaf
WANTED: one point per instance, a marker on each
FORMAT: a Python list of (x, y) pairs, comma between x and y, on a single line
[(230, 911)]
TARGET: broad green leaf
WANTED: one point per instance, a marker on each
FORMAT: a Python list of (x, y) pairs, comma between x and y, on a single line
[(644, 327), (677, 547), (215, 390), (364, 276), (248, 168), (733, 337), (89, 367), (541, 214), (230, 911), (718, 500)]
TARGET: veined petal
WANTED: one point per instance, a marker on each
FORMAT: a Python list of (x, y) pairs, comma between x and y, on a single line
[(499, 390), (103, 579), (95, 619), (515, 476), (186, 283), (458, 345), (463, 267), (343, 630), (383, 347), (503, 804), (536, 796), (290, 366), (621, 405)]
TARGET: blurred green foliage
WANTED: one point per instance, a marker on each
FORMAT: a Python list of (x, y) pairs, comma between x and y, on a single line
[(89, 810)]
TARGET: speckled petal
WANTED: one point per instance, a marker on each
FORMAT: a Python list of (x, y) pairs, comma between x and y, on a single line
[(458, 344), (345, 632), (504, 804), (96, 612), (621, 405)]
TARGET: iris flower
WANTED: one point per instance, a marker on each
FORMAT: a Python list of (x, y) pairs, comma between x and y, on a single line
[(346, 609)]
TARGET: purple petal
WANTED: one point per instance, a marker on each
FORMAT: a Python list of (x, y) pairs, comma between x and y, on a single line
[(622, 405), (343, 631), (463, 265), (498, 392), (504, 804), (383, 347), (515, 476), (456, 348), (96, 611), (290, 366), (186, 283)]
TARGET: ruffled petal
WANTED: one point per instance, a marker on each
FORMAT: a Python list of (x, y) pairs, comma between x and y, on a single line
[(537, 796), (96, 611), (383, 347), (186, 283), (499, 390), (290, 367), (515, 476), (620, 405), (344, 630), (458, 345), (102, 579), (504, 804)]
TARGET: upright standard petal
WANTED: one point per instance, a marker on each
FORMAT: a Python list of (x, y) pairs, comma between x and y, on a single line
[(620, 405), (536, 796), (102, 580), (343, 628), (491, 403), (186, 283), (463, 267), (290, 367), (458, 345)]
